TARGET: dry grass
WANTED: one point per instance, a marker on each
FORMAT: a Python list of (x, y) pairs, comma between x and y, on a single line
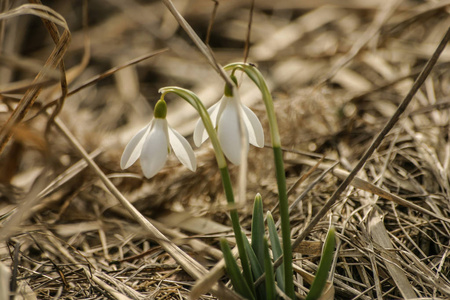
[(338, 72)]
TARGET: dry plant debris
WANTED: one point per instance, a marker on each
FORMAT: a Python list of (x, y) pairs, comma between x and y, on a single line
[(338, 71)]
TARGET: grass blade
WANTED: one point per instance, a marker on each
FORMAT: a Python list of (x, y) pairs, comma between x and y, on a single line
[(237, 279), (324, 266), (257, 268), (258, 229), (276, 249), (268, 268)]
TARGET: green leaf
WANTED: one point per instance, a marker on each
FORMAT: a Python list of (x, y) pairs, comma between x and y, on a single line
[(237, 279), (256, 267), (324, 266), (276, 249), (258, 229), (271, 292)]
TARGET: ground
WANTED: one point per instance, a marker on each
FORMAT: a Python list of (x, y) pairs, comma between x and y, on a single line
[(338, 72)]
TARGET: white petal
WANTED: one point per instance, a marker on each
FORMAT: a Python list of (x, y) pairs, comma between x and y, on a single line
[(229, 133), (200, 134), (214, 111), (254, 127), (155, 149), (134, 147), (182, 149)]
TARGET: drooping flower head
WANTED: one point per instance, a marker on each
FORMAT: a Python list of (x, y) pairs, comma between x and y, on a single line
[(152, 145), (225, 117)]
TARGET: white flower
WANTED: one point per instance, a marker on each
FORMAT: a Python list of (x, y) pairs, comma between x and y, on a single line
[(152, 145), (225, 117)]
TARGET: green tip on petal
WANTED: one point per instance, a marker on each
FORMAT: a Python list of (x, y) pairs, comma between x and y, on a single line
[(160, 109)]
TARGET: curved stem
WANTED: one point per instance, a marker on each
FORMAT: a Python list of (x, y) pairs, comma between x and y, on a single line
[(193, 100)]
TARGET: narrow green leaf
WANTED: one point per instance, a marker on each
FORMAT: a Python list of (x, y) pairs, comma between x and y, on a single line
[(257, 269), (258, 229), (324, 266), (271, 292), (237, 279), (228, 187), (276, 249)]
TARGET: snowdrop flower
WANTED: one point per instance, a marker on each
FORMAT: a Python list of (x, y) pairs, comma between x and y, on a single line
[(225, 117), (152, 145)]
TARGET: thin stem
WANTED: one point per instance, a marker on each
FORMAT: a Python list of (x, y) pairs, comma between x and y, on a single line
[(285, 222), (226, 181)]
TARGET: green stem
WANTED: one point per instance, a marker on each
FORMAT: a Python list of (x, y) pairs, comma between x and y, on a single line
[(254, 74), (226, 181), (285, 222)]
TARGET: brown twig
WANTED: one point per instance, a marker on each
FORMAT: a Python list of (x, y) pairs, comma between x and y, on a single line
[(249, 31), (53, 61), (211, 22), (205, 50)]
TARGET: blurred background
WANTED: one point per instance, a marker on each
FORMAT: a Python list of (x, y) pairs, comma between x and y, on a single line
[(337, 70)]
